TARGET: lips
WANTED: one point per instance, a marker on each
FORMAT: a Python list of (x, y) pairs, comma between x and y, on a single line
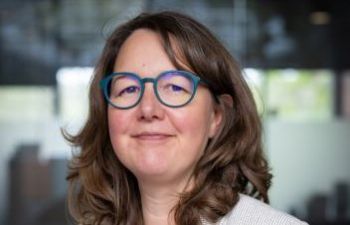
[(151, 136)]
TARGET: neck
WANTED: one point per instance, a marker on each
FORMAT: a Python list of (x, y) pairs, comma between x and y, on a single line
[(158, 202)]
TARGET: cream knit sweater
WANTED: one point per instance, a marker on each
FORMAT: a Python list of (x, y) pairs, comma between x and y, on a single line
[(249, 211)]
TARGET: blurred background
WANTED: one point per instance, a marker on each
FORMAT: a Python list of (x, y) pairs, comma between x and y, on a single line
[(295, 57)]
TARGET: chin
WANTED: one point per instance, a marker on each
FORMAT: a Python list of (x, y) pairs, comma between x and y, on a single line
[(153, 177), (151, 170)]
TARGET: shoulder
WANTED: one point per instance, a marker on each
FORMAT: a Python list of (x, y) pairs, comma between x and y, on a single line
[(252, 211)]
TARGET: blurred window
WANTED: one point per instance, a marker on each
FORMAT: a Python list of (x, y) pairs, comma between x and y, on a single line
[(73, 87), (26, 103), (292, 94)]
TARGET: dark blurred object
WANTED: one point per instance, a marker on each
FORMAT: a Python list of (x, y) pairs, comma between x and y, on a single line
[(320, 207), (37, 189), (55, 214), (317, 208), (341, 197)]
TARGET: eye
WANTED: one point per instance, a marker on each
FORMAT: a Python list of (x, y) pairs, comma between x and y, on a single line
[(129, 90), (176, 88)]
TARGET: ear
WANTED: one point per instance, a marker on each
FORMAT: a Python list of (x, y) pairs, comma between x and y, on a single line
[(218, 113)]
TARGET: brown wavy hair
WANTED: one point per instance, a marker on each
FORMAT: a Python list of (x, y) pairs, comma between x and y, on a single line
[(103, 191)]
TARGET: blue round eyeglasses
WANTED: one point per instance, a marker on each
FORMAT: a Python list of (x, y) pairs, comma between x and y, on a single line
[(174, 88)]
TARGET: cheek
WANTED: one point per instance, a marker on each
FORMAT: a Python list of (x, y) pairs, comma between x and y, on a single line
[(116, 125), (112, 123), (118, 130), (192, 122)]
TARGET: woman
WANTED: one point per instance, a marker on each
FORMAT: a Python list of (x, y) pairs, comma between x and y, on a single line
[(173, 135)]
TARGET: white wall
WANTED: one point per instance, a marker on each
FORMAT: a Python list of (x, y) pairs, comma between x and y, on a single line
[(306, 158)]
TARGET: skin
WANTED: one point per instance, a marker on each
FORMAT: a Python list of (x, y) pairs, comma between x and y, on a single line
[(158, 144)]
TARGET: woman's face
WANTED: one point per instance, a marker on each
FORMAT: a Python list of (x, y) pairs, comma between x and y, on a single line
[(155, 142)]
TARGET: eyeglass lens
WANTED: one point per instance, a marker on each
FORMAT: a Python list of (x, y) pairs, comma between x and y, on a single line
[(172, 89)]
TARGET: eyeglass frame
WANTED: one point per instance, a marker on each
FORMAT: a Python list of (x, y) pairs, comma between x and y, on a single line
[(194, 78)]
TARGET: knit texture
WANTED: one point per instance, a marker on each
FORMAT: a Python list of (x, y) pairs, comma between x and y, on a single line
[(249, 211)]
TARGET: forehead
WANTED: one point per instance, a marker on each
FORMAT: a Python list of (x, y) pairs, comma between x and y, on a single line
[(143, 53)]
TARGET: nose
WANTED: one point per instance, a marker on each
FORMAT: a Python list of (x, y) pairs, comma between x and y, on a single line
[(149, 107)]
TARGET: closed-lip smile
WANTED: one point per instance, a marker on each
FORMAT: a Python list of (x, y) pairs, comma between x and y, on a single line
[(151, 136)]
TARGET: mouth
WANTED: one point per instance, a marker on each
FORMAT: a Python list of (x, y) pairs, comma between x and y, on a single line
[(151, 136)]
